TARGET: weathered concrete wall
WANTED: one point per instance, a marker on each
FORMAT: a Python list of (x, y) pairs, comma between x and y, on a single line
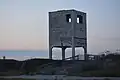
[(60, 29)]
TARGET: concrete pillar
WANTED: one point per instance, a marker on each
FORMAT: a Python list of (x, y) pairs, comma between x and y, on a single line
[(63, 53), (50, 52), (73, 25), (73, 49), (85, 53)]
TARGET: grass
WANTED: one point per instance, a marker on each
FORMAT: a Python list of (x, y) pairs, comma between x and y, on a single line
[(102, 73), (16, 79)]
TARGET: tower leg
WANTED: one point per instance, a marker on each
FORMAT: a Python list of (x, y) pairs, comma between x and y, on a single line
[(73, 25), (63, 53), (73, 49), (50, 52), (85, 53)]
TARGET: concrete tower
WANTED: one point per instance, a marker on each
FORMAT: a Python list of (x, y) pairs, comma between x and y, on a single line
[(67, 28)]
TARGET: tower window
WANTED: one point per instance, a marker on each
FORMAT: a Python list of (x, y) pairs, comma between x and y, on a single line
[(79, 19), (68, 18)]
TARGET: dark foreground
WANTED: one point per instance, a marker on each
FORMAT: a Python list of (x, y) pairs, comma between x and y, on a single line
[(16, 79), (58, 77), (105, 65)]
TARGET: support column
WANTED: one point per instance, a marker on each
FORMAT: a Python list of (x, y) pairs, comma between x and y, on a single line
[(50, 52), (73, 49), (63, 53), (85, 53), (74, 20)]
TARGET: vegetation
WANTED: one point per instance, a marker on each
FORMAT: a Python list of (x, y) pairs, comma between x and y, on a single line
[(9, 67), (107, 65), (101, 73), (16, 79), (110, 67)]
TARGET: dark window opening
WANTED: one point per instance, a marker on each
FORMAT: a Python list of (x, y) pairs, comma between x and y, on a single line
[(68, 18), (79, 19)]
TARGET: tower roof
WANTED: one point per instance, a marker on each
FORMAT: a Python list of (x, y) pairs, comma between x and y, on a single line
[(69, 10)]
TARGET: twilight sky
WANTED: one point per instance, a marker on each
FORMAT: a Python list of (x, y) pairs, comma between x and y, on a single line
[(24, 23)]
